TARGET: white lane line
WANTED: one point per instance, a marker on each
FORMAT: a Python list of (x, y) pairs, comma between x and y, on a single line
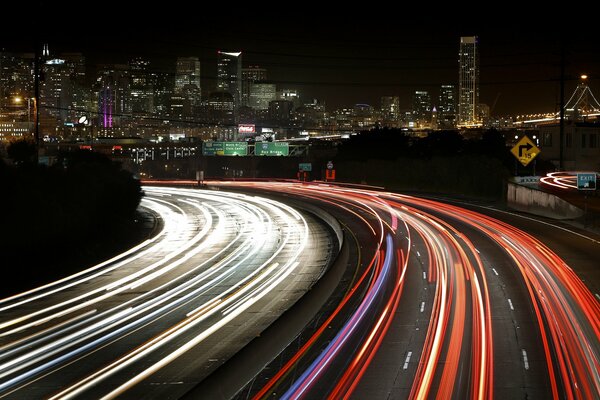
[(418, 254), (424, 275), (525, 360), (530, 219), (597, 295), (422, 306), (496, 272), (407, 360), (510, 304), (478, 252)]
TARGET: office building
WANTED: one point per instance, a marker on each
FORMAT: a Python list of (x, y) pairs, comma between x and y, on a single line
[(280, 111), (186, 97), (390, 110), (64, 95), (187, 74), (229, 75), (142, 87), (468, 82), (447, 107), (114, 100), (261, 94), (16, 77), (421, 109), (250, 75)]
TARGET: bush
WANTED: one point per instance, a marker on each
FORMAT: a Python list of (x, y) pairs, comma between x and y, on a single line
[(52, 214)]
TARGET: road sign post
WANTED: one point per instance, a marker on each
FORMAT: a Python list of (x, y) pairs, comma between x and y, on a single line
[(586, 181), (525, 151)]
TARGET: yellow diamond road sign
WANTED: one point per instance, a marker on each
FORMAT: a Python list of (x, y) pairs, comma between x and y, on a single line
[(525, 150)]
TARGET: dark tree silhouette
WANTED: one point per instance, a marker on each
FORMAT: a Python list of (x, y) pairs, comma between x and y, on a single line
[(21, 151)]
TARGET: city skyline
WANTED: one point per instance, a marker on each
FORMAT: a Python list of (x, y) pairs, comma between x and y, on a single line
[(346, 62)]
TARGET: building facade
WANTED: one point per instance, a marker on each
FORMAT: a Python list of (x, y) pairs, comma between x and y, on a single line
[(468, 82), (390, 110), (447, 107), (142, 87), (63, 91), (114, 100), (229, 75), (581, 145), (261, 94), (250, 75), (421, 109)]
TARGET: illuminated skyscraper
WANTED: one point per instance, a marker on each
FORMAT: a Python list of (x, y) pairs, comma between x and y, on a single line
[(114, 96), (16, 76), (142, 90), (229, 74), (63, 91), (250, 75), (187, 74), (422, 108), (261, 94), (447, 106), (187, 96), (468, 82), (390, 108)]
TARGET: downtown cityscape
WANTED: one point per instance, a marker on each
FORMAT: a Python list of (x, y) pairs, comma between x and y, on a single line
[(249, 205)]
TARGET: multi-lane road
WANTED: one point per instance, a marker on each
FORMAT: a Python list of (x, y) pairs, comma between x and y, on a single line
[(432, 300), (446, 303), (154, 321)]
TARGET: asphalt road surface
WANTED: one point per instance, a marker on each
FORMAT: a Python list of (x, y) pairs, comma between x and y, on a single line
[(445, 302), (154, 321)]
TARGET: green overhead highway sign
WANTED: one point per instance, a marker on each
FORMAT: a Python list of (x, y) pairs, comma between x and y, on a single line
[(225, 149), (272, 149)]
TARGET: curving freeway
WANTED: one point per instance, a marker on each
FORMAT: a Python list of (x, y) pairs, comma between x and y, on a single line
[(444, 303), (155, 320), (432, 301)]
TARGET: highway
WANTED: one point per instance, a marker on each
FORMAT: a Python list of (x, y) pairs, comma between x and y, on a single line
[(433, 300), (444, 302), (155, 320)]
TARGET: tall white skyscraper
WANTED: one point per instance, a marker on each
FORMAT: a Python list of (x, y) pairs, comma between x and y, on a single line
[(229, 74), (468, 82)]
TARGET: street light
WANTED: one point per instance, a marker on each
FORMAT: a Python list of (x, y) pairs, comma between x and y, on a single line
[(19, 100)]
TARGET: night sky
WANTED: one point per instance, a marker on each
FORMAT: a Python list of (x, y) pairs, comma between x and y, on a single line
[(342, 58)]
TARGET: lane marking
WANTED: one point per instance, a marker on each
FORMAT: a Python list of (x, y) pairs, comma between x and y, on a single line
[(525, 360), (424, 275), (478, 252), (496, 272), (407, 360), (418, 254), (422, 306), (521, 216), (597, 295), (510, 304)]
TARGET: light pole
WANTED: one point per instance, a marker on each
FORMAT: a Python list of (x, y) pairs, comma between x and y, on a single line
[(19, 100)]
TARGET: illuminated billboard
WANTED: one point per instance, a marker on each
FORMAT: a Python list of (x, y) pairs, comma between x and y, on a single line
[(246, 128)]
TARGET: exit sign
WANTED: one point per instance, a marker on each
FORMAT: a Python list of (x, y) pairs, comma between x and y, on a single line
[(586, 181)]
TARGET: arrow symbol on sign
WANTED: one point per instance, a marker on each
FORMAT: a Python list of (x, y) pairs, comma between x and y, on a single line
[(527, 147)]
